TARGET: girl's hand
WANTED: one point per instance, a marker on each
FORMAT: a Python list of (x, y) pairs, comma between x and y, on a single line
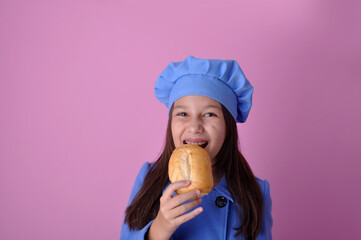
[(171, 212)]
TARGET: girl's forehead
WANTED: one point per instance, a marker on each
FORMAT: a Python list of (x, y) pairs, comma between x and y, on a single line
[(196, 100)]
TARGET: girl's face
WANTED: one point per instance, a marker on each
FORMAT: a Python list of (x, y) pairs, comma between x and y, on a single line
[(198, 120)]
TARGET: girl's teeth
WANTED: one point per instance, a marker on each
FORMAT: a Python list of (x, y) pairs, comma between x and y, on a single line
[(196, 143)]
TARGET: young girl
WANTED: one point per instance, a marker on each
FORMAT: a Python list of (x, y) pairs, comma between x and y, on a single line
[(205, 98)]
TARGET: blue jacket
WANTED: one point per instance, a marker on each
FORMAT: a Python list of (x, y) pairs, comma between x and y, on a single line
[(217, 219)]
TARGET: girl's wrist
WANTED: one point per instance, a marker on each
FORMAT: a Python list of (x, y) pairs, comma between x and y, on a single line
[(156, 232)]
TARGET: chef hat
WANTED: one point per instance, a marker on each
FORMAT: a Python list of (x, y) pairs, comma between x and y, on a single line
[(221, 80)]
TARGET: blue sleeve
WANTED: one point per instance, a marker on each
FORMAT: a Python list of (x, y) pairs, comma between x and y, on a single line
[(267, 221), (126, 233)]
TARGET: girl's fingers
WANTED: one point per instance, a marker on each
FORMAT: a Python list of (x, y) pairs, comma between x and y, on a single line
[(172, 209), (166, 201), (179, 199), (186, 217), (168, 193), (178, 211)]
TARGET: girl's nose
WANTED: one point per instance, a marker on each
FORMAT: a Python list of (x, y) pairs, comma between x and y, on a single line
[(195, 126)]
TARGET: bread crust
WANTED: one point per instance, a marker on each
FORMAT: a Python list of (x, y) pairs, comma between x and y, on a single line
[(192, 163)]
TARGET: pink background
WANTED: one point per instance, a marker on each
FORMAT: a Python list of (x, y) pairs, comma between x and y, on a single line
[(79, 117)]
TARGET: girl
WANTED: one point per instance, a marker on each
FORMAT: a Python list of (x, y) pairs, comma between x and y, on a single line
[(205, 98)]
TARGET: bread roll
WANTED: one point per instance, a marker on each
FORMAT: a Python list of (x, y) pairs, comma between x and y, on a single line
[(192, 163)]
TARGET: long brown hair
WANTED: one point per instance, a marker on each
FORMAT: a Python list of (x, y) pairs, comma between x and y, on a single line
[(241, 182)]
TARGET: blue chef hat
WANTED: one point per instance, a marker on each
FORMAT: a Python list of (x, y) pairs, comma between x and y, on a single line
[(221, 80)]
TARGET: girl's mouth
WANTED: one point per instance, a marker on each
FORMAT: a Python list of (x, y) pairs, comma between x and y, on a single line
[(201, 144)]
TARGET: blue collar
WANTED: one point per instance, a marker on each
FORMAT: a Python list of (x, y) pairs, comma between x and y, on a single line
[(221, 189)]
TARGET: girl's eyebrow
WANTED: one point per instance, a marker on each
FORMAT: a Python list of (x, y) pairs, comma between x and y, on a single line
[(180, 106)]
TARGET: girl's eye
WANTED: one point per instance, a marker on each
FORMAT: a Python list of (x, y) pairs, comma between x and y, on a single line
[(182, 114), (210, 115)]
